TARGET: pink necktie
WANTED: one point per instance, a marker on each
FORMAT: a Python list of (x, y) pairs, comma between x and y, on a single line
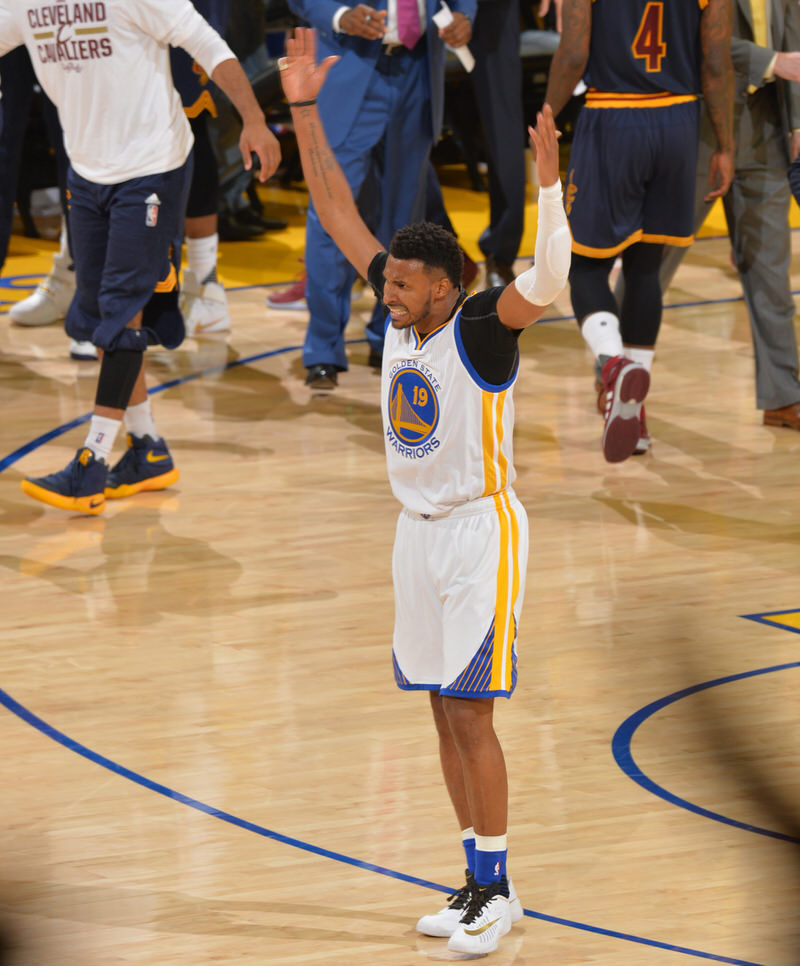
[(408, 28)]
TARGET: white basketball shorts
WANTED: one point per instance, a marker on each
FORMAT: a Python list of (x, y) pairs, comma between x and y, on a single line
[(459, 582)]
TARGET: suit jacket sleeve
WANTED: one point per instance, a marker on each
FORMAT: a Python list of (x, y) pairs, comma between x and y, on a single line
[(791, 41), (750, 60), (317, 13), (468, 7)]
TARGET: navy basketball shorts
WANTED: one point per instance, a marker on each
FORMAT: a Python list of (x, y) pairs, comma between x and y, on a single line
[(126, 245), (459, 583), (631, 177)]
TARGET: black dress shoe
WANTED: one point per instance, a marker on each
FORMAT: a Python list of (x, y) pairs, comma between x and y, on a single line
[(498, 273), (249, 216), (322, 376), (375, 359), (230, 228)]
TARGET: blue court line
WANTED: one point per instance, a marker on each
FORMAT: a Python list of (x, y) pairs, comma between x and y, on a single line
[(761, 619), (621, 747), (58, 736), (71, 744), (12, 458)]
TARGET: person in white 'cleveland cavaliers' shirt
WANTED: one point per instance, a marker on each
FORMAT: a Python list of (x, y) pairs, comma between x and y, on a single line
[(105, 65), (460, 555)]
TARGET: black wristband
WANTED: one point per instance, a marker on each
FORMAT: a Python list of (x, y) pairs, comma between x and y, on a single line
[(302, 103)]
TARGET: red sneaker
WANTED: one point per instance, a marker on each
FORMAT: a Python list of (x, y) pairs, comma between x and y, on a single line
[(292, 298), (626, 384)]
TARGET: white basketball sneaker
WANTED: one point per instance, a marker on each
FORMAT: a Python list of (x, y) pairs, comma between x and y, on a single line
[(443, 923), (486, 919), (204, 306), (82, 351), (50, 300)]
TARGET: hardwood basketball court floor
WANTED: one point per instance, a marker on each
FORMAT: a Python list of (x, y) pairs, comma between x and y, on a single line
[(204, 756)]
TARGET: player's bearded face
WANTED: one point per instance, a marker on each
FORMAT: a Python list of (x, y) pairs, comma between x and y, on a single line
[(407, 293)]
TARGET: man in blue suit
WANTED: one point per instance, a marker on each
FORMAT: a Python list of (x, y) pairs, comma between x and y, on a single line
[(382, 105)]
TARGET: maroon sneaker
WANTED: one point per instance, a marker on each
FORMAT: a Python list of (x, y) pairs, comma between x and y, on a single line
[(293, 297), (626, 384)]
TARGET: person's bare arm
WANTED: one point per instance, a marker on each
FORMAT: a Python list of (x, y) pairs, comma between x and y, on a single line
[(716, 74), (569, 61), (302, 78), (256, 137)]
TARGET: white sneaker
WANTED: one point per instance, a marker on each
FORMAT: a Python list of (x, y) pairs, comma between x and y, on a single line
[(204, 307), (82, 351), (49, 302), (443, 923), (485, 921)]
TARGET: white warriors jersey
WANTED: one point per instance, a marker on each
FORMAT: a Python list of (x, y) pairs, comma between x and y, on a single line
[(448, 433)]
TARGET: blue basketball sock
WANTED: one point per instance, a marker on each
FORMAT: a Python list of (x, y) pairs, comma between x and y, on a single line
[(468, 841), (491, 852)]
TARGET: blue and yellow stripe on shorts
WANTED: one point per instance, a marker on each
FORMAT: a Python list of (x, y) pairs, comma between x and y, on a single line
[(493, 670)]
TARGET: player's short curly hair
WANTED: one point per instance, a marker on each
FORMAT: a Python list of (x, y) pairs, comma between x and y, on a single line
[(432, 245)]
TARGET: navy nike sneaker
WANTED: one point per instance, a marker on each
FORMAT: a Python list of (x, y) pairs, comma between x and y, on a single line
[(145, 465), (80, 486)]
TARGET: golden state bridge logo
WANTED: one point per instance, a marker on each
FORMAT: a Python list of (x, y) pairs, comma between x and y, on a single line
[(413, 413)]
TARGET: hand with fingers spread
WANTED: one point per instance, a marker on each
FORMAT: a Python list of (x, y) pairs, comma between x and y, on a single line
[(301, 75), (544, 147)]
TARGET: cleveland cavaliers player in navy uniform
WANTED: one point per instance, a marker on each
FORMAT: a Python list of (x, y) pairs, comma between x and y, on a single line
[(630, 182), (105, 66)]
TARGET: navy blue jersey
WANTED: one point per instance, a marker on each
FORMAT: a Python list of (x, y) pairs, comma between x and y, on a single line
[(645, 46), (188, 77), (215, 12)]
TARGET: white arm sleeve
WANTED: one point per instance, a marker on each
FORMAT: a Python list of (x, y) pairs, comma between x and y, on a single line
[(548, 276)]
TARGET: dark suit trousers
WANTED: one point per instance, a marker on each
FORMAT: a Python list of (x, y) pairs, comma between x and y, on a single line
[(18, 80), (396, 115), (497, 80), (757, 212)]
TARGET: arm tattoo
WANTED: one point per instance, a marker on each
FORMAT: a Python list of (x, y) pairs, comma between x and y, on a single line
[(717, 69), (569, 60)]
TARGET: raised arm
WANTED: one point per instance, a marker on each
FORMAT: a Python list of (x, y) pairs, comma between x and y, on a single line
[(716, 74), (569, 61), (525, 300), (302, 79)]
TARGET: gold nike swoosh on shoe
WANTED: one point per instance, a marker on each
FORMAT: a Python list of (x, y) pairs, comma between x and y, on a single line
[(153, 458), (482, 929)]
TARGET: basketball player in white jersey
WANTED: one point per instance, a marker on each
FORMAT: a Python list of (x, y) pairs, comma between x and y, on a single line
[(449, 366)]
